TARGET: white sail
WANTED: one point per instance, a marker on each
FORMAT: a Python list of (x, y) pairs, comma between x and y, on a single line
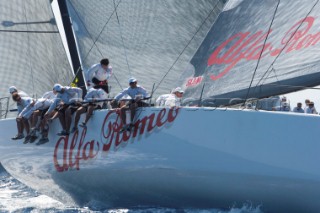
[(32, 56), (150, 40)]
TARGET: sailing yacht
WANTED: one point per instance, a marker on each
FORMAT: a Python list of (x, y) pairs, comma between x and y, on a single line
[(205, 154)]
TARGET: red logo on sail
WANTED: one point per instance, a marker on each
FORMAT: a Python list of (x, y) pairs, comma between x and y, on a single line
[(244, 46), (194, 81)]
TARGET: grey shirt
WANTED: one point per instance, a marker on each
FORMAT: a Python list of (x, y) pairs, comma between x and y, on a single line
[(69, 96), (133, 92)]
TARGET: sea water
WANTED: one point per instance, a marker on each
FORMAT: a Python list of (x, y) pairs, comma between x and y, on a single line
[(18, 198)]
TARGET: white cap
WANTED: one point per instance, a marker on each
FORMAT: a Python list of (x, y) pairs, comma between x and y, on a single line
[(57, 87), (178, 89), (12, 89), (131, 80)]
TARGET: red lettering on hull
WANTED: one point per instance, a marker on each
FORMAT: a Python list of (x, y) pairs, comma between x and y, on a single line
[(69, 153), (110, 133), (70, 160)]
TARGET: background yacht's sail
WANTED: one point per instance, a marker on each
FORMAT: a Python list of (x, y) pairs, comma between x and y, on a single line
[(152, 40), (228, 64), (32, 56)]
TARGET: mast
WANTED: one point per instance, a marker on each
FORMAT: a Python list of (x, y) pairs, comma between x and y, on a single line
[(75, 60)]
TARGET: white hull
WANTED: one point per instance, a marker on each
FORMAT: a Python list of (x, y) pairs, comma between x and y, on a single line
[(190, 157)]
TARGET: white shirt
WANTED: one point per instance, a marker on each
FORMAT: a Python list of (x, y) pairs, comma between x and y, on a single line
[(311, 110), (41, 104), (49, 95), (168, 100), (23, 94), (25, 101), (133, 93), (70, 95), (97, 71), (296, 109), (95, 94)]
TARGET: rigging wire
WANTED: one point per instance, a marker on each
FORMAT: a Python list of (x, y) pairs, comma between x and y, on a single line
[(271, 65), (4, 107), (28, 31), (95, 40), (200, 99), (187, 45), (264, 43), (121, 35), (275, 74)]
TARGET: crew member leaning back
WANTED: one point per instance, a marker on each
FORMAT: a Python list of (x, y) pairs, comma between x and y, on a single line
[(99, 74)]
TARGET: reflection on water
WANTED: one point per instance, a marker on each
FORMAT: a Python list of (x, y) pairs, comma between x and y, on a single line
[(16, 197)]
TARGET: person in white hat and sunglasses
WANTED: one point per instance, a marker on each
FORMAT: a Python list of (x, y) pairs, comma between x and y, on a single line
[(93, 99), (137, 93), (67, 101), (170, 100), (22, 124)]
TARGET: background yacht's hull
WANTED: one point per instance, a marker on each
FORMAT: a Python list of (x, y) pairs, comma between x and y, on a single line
[(191, 157)]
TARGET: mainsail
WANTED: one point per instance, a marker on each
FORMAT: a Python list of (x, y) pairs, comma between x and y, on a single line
[(32, 56), (229, 64), (150, 40)]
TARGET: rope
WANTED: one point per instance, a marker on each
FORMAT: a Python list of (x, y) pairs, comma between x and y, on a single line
[(200, 99), (264, 43), (95, 40), (121, 35), (186, 46)]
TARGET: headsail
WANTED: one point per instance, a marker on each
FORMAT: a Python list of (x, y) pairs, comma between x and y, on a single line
[(32, 56), (228, 64), (142, 38)]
